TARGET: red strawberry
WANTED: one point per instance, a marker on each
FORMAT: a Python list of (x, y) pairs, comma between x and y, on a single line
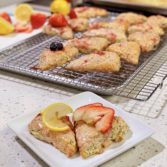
[(6, 16), (105, 123), (38, 20), (23, 28), (58, 20), (68, 1), (72, 14)]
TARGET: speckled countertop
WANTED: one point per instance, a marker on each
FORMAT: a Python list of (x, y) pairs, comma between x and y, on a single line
[(19, 95)]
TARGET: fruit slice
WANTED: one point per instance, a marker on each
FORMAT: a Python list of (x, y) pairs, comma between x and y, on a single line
[(6, 16), (58, 20), (51, 116), (24, 28), (72, 14), (23, 12), (5, 27), (38, 20), (60, 6)]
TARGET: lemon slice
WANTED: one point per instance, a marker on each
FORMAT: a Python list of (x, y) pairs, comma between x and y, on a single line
[(5, 27), (51, 116), (60, 6), (23, 12)]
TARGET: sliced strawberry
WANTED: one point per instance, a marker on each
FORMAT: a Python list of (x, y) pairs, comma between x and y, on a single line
[(105, 123), (78, 114), (23, 28), (72, 14), (6, 16), (38, 20), (58, 20)]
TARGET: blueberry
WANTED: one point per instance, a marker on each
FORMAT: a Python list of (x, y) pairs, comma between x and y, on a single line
[(56, 46)]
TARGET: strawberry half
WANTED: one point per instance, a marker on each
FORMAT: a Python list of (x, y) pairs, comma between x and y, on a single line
[(38, 20), (105, 123), (6, 16), (58, 20), (72, 14), (22, 28)]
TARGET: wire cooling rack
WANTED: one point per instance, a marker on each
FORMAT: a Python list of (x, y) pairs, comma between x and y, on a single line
[(136, 82)]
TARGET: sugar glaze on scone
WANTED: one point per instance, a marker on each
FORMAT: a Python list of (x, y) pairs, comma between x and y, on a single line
[(49, 59), (90, 44), (113, 35), (101, 61), (128, 51), (63, 32), (148, 41)]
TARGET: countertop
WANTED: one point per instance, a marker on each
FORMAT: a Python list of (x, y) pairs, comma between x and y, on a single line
[(19, 95)]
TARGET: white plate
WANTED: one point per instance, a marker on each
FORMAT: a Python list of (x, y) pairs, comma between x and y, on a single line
[(53, 157)]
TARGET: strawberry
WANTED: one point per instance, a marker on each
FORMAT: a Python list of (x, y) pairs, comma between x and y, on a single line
[(105, 123), (58, 20), (23, 28), (72, 14), (68, 1), (6, 16), (38, 20)]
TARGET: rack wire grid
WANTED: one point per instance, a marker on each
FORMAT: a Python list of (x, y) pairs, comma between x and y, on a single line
[(133, 81)]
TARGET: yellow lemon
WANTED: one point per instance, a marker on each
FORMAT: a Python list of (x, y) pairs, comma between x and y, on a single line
[(51, 116), (60, 6), (5, 27), (23, 12)]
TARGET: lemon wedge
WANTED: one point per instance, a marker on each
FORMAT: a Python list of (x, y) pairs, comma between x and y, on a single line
[(51, 116), (60, 6), (5, 27), (23, 12)]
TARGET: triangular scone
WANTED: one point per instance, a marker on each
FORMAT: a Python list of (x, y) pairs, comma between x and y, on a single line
[(148, 41), (63, 141), (113, 35), (78, 24), (49, 59), (146, 27), (63, 32), (101, 61), (131, 18), (88, 12), (128, 51), (90, 44), (96, 129), (159, 20), (116, 24)]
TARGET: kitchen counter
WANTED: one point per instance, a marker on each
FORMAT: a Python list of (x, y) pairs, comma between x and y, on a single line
[(19, 95)]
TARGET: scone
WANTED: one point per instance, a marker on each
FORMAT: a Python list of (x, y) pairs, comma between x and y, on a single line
[(101, 61), (117, 24), (97, 128), (131, 18), (78, 24), (113, 35), (90, 44), (49, 59), (63, 141), (89, 12), (146, 27), (159, 20), (128, 51), (63, 32), (148, 41)]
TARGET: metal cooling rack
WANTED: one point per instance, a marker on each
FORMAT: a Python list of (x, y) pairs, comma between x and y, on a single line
[(136, 82)]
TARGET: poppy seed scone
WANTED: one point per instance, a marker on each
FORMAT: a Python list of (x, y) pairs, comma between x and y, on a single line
[(128, 51), (148, 41), (90, 44), (63, 141), (131, 18), (49, 59), (102, 61)]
